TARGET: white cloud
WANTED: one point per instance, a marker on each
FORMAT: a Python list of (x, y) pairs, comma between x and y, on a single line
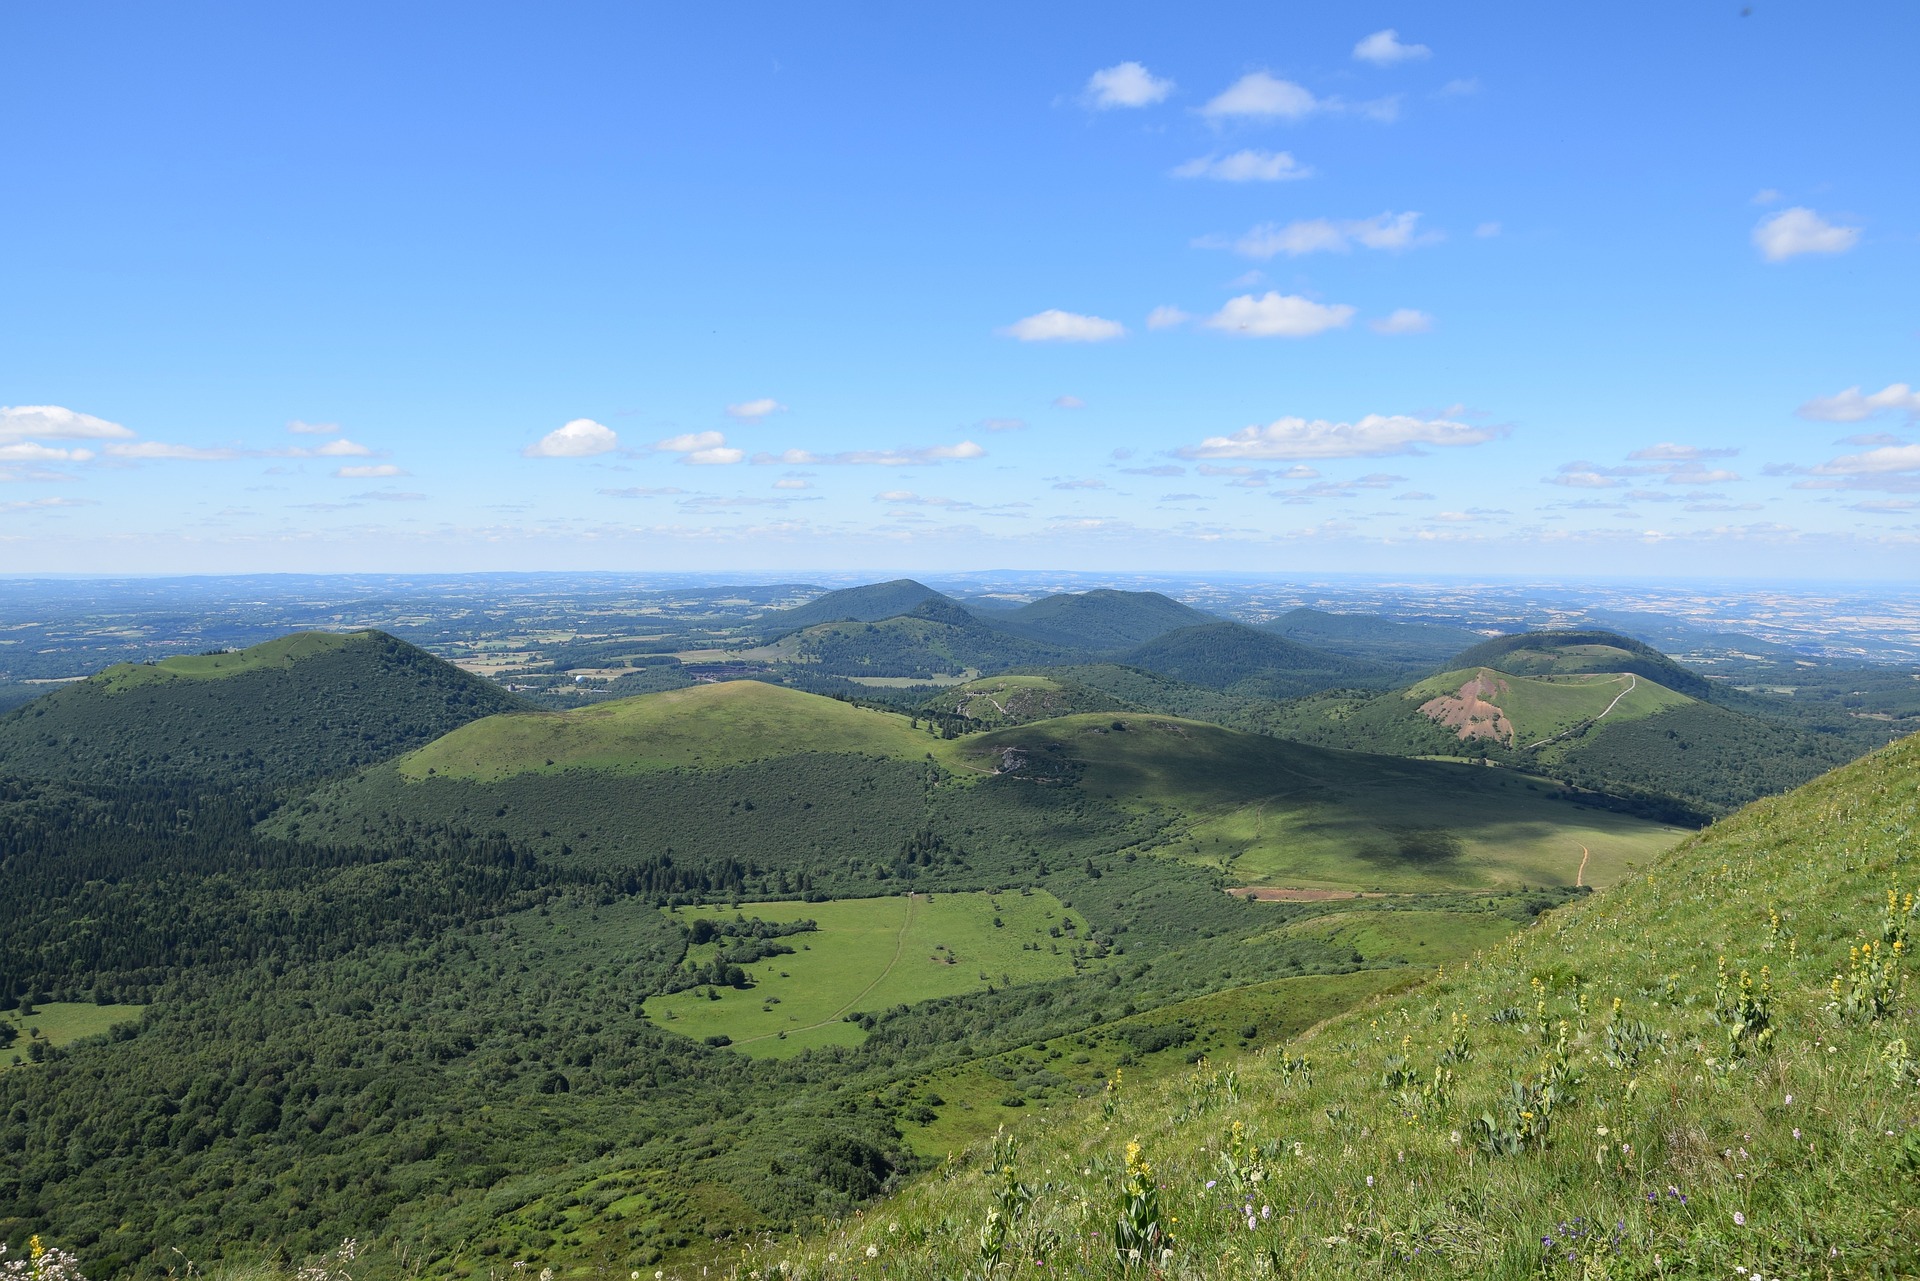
[(1127, 84), (1888, 458), (792, 482), (43, 504), (1245, 166), (342, 448), (1374, 436), (1326, 235), (754, 410), (721, 456), (153, 449), (1766, 196), (1004, 424), (1586, 476), (1054, 325), (1464, 87), (1796, 231), (580, 438), (1487, 230), (689, 442), (29, 451), (1166, 318), (1275, 315), (1669, 452), (1850, 406), (1079, 484), (1262, 96), (299, 428), (52, 422), (1403, 320), (374, 471), (929, 456), (1413, 496), (1069, 402), (1384, 49), (907, 498)]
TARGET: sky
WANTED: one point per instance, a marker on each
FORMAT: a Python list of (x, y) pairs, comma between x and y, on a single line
[(1580, 290)]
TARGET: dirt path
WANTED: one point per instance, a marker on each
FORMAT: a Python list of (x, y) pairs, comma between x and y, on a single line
[(1632, 682), (899, 949), (1580, 877)]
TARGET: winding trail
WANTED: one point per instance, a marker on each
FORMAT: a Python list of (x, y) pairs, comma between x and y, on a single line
[(1632, 682), (899, 950), (1580, 877)]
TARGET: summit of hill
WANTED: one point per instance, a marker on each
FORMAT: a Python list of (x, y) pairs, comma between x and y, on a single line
[(1246, 660), (302, 706), (1561, 653), (1103, 620), (1369, 636), (869, 603)]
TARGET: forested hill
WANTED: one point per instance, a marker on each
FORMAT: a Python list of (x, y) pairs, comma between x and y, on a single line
[(1566, 653), (867, 604), (1103, 621), (300, 707), (1244, 660), (1383, 640)]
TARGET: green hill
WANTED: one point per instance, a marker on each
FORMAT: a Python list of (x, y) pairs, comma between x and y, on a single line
[(1017, 700), (302, 706), (1572, 652), (1707, 1070), (1368, 636), (1103, 621), (867, 604), (1243, 660), (934, 638), (1620, 733)]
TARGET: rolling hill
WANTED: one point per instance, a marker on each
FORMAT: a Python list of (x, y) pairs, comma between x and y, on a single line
[(1622, 732), (1567, 653), (1238, 659), (300, 707), (1100, 622), (934, 638), (1370, 637), (1019, 699), (866, 604)]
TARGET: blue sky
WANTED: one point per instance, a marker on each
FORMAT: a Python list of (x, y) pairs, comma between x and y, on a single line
[(1627, 289)]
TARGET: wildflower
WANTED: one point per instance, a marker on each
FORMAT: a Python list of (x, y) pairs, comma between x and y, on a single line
[(1369, 1180), (1796, 1133), (1739, 1219), (1601, 1131), (873, 1252)]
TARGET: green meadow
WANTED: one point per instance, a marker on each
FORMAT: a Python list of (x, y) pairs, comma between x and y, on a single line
[(869, 954), (1540, 707), (60, 1023), (280, 653)]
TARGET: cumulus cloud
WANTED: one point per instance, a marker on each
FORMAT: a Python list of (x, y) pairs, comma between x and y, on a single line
[(1054, 325), (1403, 320), (1800, 230), (792, 482), (52, 422), (154, 449), (1262, 97), (930, 455), (754, 410), (718, 456), (1888, 458), (44, 504), (1126, 84), (373, 471), (1385, 48), (1390, 231), (580, 438), (1166, 318), (1276, 315), (1669, 452), (1374, 436), (299, 428), (1069, 402), (1245, 166), (689, 442), (1851, 406), (32, 451)]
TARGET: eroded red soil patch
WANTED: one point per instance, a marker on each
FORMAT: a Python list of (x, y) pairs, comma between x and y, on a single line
[(1472, 713)]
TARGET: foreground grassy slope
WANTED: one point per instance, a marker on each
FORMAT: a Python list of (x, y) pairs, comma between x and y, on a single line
[(302, 706), (1691, 1074)]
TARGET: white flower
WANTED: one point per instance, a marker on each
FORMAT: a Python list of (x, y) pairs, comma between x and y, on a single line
[(1739, 1219), (873, 1252), (1369, 1184)]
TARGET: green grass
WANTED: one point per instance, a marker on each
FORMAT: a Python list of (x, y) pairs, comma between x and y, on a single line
[(1540, 707), (702, 726), (61, 1023), (1668, 1148), (1415, 936), (867, 955), (977, 1098), (1270, 812), (281, 652)]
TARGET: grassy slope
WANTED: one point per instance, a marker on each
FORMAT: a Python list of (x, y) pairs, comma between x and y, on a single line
[(1674, 1159), (1541, 707), (277, 654), (1016, 700), (1278, 813), (867, 954), (1569, 652), (703, 726), (868, 603)]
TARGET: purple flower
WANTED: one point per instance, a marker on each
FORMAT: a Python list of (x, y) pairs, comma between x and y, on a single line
[(1739, 1219)]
